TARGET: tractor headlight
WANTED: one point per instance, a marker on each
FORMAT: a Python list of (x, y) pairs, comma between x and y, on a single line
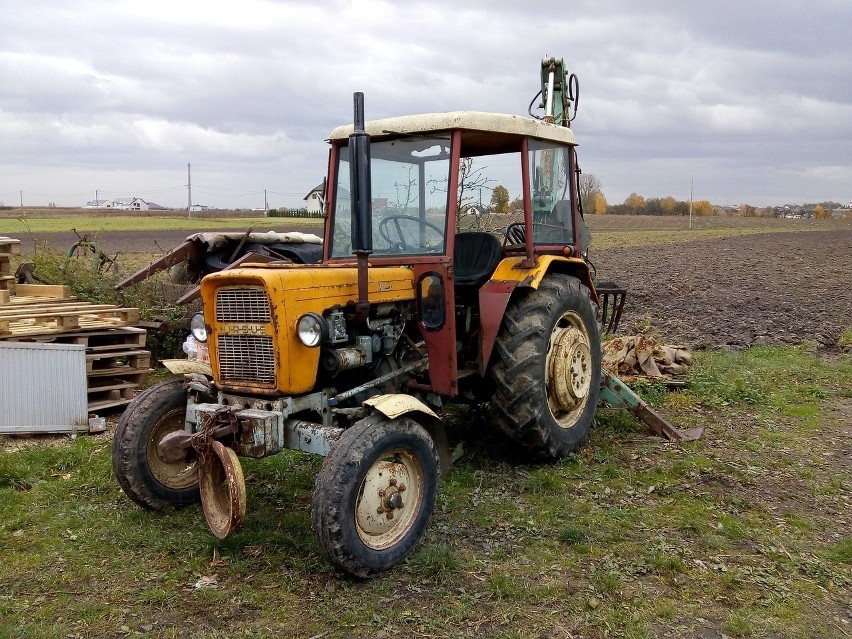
[(197, 327), (312, 330)]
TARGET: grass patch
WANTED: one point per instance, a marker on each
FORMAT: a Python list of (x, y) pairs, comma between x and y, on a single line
[(93, 225), (734, 534)]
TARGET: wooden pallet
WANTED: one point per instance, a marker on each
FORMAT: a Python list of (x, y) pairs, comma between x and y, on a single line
[(117, 364), (114, 348), (9, 246), (113, 391), (116, 339), (61, 317), (31, 294), (114, 371), (113, 362)]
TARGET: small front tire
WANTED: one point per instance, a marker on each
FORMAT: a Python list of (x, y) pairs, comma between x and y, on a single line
[(145, 477), (374, 497)]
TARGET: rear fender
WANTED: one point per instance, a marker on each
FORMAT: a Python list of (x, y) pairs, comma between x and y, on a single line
[(495, 294)]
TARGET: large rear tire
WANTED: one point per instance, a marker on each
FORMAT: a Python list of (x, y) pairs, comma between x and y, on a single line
[(374, 497), (547, 368), (145, 477)]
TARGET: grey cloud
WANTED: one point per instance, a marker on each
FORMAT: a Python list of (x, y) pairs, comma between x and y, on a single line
[(753, 97)]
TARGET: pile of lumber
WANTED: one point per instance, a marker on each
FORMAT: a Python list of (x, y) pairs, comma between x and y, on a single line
[(117, 363), (641, 356)]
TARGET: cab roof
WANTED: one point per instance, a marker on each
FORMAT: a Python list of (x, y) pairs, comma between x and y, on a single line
[(490, 131)]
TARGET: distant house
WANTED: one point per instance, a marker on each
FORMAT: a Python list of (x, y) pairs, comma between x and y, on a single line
[(98, 204), (844, 212), (314, 199), (199, 207), (130, 204)]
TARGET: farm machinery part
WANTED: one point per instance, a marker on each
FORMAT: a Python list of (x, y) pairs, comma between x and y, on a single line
[(352, 358), (204, 253), (616, 394)]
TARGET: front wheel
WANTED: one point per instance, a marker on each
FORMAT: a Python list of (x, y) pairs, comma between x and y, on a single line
[(142, 473), (547, 369), (374, 497)]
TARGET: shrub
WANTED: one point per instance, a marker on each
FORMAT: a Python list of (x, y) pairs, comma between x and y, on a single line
[(154, 297)]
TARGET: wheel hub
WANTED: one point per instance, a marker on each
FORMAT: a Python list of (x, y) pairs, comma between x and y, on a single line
[(389, 500), (569, 368)]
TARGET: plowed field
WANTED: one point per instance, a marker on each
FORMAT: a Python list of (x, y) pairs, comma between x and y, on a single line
[(769, 288)]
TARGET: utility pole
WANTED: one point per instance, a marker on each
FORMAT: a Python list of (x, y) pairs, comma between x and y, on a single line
[(97, 204), (691, 189), (188, 192), (265, 205), (21, 193)]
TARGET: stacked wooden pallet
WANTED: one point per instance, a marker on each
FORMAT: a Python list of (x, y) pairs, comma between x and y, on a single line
[(117, 363), (8, 248)]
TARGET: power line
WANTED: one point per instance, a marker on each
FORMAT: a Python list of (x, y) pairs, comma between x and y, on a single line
[(219, 188), (198, 189)]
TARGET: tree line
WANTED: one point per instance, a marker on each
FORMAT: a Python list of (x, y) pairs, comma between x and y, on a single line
[(593, 201)]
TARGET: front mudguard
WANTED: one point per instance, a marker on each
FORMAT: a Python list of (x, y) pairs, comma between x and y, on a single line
[(393, 405)]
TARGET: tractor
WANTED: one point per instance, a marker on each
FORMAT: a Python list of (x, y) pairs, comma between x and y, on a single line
[(353, 358)]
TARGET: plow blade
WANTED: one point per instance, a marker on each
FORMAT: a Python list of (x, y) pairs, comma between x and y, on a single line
[(616, 394)]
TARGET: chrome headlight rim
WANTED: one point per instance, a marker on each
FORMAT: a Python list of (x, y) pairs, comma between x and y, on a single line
[(198, 328), (312, 330)]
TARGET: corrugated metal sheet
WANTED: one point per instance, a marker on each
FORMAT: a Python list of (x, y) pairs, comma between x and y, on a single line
[(42, 388)]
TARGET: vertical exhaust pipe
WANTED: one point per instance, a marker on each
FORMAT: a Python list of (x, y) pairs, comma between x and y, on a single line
[(362, 218)]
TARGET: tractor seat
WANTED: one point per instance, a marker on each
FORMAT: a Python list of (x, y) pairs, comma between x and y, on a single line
[(475, 257)]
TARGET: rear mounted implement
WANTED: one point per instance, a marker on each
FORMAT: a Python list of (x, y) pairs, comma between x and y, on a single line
[(611, 301)]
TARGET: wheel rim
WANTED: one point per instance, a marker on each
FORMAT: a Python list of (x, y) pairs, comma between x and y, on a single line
[(389, 499), (568, 370), (176, 475)]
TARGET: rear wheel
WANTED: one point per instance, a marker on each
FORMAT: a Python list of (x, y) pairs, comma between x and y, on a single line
[(143, 474), (547, 370), (375, 494)]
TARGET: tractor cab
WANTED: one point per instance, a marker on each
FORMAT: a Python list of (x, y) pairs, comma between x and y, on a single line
[(427, 170), (428, 174)]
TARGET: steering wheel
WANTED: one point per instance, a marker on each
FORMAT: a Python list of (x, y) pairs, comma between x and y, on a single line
[(384, 231)]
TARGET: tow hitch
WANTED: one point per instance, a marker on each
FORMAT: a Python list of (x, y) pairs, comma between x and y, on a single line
[(220, 475)]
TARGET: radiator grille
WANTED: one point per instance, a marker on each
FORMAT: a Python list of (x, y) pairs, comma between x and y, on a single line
[(246, 358), (247, 305)]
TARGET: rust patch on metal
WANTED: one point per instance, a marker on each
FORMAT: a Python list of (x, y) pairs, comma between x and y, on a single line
[(223, 490)]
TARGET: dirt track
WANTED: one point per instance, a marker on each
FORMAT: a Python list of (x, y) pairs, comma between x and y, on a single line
[(770, 288)]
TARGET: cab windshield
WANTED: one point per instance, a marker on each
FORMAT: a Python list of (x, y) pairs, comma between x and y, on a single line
[(408, 182)]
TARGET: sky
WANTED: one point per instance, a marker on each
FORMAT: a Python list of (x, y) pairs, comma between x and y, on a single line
[(749, 100)]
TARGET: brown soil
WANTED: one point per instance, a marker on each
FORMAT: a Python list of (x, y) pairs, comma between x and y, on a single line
[(773, 288)]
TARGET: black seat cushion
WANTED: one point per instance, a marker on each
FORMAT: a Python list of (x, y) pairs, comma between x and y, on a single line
[(475, 257)]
